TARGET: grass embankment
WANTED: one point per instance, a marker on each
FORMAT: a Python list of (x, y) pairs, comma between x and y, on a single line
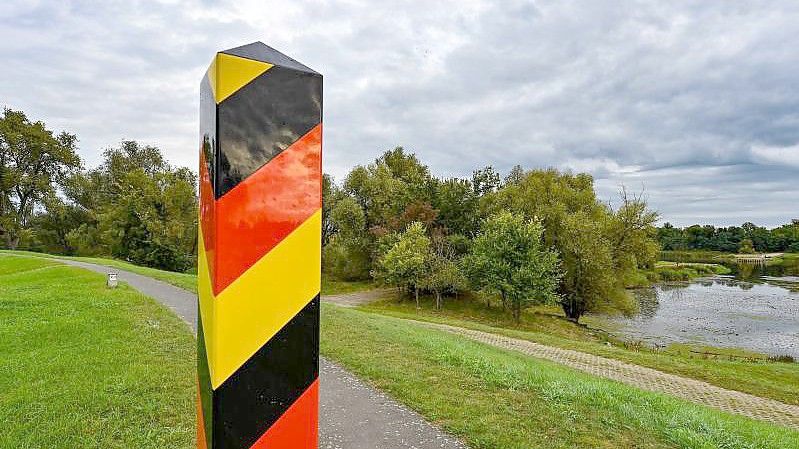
[(493, 398), (333, 286), (546, 325), (188, 281), (683, 271), (668, 271), (697, 256), (84, 366)]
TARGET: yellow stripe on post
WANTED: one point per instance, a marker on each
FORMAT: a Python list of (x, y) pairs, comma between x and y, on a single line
[(259, 276), (261, 301), (229, 73), (205, 294)]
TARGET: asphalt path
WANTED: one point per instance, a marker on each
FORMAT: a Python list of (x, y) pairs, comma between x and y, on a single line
[(353, 414)]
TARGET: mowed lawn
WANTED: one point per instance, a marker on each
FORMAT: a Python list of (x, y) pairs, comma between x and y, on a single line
[(769, 379), (188, 281), (84, 366), (493, 398)]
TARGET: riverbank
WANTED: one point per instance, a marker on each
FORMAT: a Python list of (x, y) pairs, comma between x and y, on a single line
[(733, 369), (759, 315)]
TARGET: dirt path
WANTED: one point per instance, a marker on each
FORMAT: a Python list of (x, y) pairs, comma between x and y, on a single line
[(356, 298), (353, 414)]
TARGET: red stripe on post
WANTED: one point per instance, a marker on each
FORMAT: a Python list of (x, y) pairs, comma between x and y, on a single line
[(298, 427), (267, 206)]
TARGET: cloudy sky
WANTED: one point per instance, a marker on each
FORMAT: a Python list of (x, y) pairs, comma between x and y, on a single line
[(697, 103)]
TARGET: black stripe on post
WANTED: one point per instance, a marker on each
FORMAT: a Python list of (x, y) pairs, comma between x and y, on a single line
[(257, 394), (262, 119)]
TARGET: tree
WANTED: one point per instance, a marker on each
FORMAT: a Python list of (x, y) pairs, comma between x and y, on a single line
[(442, 273), (508, 257), (485, 180), (138, 208), (419, 211), (746, 247), (633, 232), (591, 281), (386, 187), (33, 162), (348, 255), (515, 175), (51, 227), (331, 194), (566, 205), (457, 205), (405, 264)]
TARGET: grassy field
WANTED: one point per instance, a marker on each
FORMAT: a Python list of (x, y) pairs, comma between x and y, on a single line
[(188, 281), (546, 325), (83, 366), (499, 399), (683, 271), (88, 367), (333, 286)]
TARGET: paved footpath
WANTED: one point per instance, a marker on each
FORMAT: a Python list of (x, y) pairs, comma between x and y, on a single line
[(645, 378), (353, 415)]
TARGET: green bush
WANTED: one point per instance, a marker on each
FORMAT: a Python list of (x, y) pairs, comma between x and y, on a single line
[(345, 262)]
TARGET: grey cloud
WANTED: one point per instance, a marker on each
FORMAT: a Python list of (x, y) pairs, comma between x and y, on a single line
[(695, 101)]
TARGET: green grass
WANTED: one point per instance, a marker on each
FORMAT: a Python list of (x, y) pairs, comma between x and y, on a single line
[(333, 286), (683, 271), (84, 366), (493, 398), (697, 256), (186, 281), (546, 325)]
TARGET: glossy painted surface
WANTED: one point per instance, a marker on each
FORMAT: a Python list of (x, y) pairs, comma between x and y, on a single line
[(256, 396), (202, 442), (262, 119), (229, 73), (259, 51), (298, 427), (205, 392), (207, 170), (267, 206), (263, 299), (259, 252)]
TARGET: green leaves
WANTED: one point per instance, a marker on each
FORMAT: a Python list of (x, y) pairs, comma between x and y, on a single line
[(405, 263), (33, 163), (508, 257)]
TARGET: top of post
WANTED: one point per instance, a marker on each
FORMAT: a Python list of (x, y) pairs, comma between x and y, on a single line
[(258, 51)]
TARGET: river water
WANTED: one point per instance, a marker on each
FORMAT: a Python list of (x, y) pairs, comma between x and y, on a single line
[(756, 308)]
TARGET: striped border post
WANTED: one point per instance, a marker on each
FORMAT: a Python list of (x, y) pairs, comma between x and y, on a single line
[(259, 251)]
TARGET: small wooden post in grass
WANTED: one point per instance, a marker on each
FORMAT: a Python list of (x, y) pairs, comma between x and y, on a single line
[(260, 251)]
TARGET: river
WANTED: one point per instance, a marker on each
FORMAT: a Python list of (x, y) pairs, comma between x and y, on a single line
[(756, 308)]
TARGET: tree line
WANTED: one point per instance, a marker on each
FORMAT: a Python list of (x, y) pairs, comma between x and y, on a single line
[(531, 237), (134, 206), (746, 238)]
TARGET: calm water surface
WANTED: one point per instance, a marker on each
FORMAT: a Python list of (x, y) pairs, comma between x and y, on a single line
[(754, 309)]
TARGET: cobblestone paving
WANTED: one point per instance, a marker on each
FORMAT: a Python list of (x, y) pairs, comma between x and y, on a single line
[(645, 378)]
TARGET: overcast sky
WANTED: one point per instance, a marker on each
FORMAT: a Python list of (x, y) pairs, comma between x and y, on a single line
[(695, 102)]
